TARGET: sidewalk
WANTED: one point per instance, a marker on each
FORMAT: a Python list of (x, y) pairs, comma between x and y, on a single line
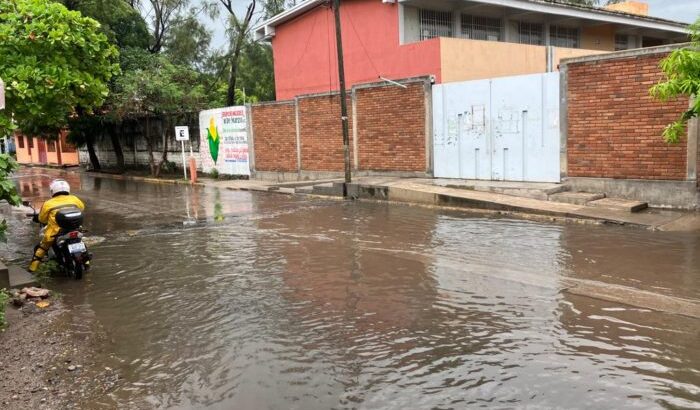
[(426, 192), (469, 195)]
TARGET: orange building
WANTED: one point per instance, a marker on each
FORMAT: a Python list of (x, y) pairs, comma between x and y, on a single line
[(38, 151)]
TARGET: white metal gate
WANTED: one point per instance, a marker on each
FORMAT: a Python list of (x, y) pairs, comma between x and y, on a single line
[(498, 129)]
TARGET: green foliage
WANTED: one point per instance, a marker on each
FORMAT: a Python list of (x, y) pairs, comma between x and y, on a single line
[(8, 190), (122, 25), (46, 271), (4, 297), (256, 72), (53, 61), (187, 42), (152, 85), (682, 70)]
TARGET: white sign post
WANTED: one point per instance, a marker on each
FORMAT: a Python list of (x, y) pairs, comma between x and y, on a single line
[(182, 134)]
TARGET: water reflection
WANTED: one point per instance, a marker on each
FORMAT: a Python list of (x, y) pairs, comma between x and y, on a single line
[(287, 303)]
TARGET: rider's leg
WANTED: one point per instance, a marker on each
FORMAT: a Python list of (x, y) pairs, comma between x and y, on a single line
[(43, 248)]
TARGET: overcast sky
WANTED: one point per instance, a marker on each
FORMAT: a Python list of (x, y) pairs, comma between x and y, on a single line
[(679, 10)]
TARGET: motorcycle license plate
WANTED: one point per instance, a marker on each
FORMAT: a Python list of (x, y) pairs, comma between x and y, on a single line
[(76, 247)]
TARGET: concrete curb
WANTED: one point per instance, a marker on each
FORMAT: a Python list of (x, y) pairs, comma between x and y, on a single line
[(14, 277)]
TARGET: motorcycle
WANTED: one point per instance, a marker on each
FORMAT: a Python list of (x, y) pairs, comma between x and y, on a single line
[(68, 250)]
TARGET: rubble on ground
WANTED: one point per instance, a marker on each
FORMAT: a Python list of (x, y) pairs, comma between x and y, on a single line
[(31, 299)]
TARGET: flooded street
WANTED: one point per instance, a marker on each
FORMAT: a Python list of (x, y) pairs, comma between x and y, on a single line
[(271, 301)]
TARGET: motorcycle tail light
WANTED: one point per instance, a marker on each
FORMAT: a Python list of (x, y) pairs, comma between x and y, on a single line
[(74, 234)]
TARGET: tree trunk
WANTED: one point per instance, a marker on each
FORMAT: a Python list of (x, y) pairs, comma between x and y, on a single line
[(117, 146), (94, 161), (149, 147), (231, 94), (165, 126)]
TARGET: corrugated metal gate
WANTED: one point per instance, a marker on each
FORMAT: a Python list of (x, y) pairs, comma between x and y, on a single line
[(498, 129)]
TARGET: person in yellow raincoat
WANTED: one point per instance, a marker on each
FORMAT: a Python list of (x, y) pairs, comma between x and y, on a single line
[(61, 198)]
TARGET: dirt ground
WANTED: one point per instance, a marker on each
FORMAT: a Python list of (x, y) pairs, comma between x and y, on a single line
[(45, 365)]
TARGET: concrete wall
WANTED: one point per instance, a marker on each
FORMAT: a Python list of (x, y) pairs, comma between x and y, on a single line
[(464, 60), (138, 159), (633, 7), (598, 37), (561, 53), (459, 59), (305, 52), (389, 133)]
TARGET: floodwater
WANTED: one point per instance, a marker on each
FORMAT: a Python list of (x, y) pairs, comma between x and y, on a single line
[(277, 302)]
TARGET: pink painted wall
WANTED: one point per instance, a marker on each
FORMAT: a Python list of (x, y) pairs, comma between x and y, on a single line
[(305, 52)]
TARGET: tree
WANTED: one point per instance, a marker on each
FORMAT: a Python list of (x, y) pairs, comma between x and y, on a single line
[(187, 42), (682, 70), (163, 13), (125, 28), (238, 32), (44, 48), (156, 92), (8, 190), (121, 23), (256, 72)]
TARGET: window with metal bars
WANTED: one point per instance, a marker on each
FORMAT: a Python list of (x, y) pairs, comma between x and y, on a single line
[(622, 42), (563, 37), (531, 33), (481, 28), (435, 24)]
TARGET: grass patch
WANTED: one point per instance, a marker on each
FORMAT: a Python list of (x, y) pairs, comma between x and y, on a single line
[(46, 271)]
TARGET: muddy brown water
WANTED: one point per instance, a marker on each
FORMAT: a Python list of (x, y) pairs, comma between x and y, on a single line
[(277, 302)]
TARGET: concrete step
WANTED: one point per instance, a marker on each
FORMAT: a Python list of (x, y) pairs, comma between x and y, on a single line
[(619, 204), (304, 190), (328, 189), (14, 277), (532, 190), (20, 278), (576, 198)]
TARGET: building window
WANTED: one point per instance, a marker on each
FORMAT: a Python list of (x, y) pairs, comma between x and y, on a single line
[(563, 37), (482, 28), (65, 145), (51, 146), (20, 141), (531, 33), (30, 142), (435, 24), (622, 42)]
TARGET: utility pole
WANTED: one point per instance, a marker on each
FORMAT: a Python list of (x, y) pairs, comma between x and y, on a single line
[(343, 97)]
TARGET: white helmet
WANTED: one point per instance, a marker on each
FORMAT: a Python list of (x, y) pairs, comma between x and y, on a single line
[(59, 186)]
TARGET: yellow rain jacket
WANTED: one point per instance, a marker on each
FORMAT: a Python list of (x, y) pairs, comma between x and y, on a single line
[(47, 216)]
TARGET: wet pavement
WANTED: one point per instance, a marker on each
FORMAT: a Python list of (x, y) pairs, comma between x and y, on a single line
[(272, 302)]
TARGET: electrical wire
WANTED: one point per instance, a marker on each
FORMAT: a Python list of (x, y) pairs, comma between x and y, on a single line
[(362, 44)]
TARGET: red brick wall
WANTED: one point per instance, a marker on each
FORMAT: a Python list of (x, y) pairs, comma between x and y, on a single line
[(391, 128), (615, 127), (321, 133), (275, 137)]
